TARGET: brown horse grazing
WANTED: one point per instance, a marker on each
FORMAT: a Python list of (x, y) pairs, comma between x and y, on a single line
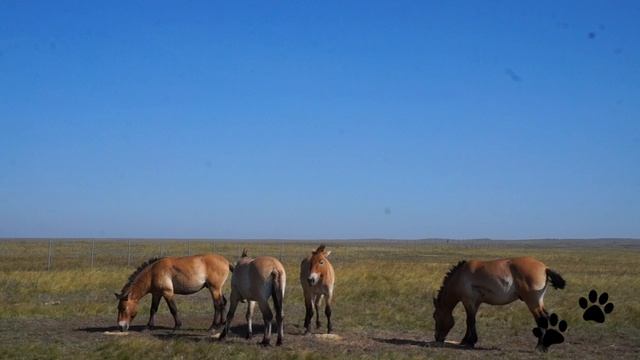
[(317, 278), (165, 277), (256, 280), (497, 282)]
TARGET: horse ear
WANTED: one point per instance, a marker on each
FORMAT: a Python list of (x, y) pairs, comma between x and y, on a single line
[(117, 295), (320, 249), (244, 253), (327, 253)]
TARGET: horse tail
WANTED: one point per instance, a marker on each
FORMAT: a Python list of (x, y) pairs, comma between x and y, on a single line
[(277, 290), (556, 280)]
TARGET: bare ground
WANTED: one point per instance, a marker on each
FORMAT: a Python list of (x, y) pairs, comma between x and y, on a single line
[(74, 337)]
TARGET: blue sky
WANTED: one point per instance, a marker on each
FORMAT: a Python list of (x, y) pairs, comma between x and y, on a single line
[(320, 119)]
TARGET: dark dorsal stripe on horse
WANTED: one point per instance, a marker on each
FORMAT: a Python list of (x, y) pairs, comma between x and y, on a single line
[(448, 276), (135, 274)]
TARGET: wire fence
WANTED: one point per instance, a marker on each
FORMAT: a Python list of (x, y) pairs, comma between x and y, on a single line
[(70, 254)]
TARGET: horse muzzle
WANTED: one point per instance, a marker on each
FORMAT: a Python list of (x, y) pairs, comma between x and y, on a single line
[(124, 326), (313, 279)]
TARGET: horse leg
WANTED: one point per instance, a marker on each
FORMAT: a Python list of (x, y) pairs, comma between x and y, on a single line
[(278, 304), (308, 303), (471, 336), (171, 302), (535, 303), (218, 307), (155, 302), (327, 312), (232, 311), (316, 305), (250, 306), (267, 316)]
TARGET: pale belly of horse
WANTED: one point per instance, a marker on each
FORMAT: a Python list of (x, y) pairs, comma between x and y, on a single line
[(497, 296), (187, 288)]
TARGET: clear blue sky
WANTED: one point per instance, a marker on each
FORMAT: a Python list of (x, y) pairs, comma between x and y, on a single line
[(320, 120)]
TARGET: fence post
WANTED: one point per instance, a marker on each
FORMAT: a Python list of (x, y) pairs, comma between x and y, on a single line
[(128, 252), (93, 250), (49, 255)]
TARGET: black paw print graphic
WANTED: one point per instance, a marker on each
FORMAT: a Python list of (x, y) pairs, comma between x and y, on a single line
[(547, 335), (595, 311)]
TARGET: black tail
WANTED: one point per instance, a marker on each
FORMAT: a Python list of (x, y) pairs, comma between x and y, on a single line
[(556, 280), (276, 291)]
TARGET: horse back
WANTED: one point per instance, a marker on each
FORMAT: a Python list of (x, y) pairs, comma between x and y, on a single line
[(530, 272), (189, 274), (263, 268), (522, 271), (255, 279)]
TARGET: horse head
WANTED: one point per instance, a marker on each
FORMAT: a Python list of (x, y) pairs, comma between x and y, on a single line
[(127, 310), (318, 265)]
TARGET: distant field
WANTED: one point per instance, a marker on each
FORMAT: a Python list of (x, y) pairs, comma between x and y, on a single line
[(383, 303)]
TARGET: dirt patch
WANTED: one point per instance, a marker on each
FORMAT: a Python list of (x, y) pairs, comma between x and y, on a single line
[(85, 335)]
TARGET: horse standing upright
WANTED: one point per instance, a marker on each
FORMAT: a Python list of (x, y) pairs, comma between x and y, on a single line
[(317, 279), (496, 282), (257, 280), (165, 277)]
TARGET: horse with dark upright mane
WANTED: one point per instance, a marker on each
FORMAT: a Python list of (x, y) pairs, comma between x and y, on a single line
[(317, 279), (168, 276), (496, 282)]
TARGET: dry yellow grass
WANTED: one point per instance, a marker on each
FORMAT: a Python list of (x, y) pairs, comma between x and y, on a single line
[(383, 301)]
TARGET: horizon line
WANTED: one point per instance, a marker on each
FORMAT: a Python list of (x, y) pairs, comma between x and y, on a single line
[(2, 238)]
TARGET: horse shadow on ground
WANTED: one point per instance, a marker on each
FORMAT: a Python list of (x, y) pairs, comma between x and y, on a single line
[(133, 328), (193, 334), (431, 344), (198, 335)]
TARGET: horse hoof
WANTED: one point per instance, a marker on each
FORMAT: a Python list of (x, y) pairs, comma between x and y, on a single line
[(279, 342), (542, 348), (249, 336), (223, 334), (265, 343)]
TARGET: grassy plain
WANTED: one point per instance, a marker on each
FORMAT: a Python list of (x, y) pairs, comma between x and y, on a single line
[(383, 303)]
